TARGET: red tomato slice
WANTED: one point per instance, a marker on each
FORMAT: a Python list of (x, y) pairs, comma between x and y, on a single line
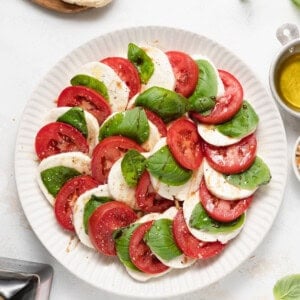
[(87, 99), (191, 246), (234, 158), (228, 104), (107, 152), (67, 197), (126, 71), (147, 199), (222, 210), (185, 143), (141, 255), (186, 72), (157, 121), (58, 137), (104, 221)]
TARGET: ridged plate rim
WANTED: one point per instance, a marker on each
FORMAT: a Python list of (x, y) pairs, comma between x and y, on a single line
[(107, 273)]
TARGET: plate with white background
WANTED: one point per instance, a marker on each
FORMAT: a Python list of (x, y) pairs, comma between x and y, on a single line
[(107, 273)]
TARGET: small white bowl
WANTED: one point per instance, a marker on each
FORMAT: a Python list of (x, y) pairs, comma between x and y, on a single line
[(294, 162), (289, 36)]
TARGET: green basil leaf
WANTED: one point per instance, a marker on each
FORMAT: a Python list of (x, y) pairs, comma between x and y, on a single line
[(54, 178), (287, 288), (202, 105), (297, 2), (133, 165), (161, 241), (142, 62), (92, 83), (163, 166), (165, 103), (75, 117), (258, 174), (130, 123), (241, 124), (202, 221), (122, 238), (90, 207), (203, 98)]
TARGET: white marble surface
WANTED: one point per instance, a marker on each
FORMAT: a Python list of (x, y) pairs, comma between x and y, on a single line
[(32, 40)]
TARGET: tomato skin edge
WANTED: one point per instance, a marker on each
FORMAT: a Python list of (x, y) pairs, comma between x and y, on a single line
[(104, 221)]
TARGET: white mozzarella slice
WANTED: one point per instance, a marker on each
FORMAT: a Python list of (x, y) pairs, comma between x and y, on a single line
[(218, 186), (75, 160), (211, 135), (117, 89), (163, 75), (118, 186), (220, 85), (91, 123), (78, 211), (202, 235), (147, 217), (153, 138), (180, 192), (141, 276), (89, 3)]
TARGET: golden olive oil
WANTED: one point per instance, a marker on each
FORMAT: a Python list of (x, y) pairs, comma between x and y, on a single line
[(288, 81)]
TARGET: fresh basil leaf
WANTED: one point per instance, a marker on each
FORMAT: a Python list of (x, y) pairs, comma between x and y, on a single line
[(287, 288), (165, 103), (161, 241), (92, 83), (133, 165), (297, 2), (75, 117), (241, 124), (54, 178), (130, 123), (206, 90), (122, 238), (202, 105), (165, 168), (202, 221), (142, 62), (258, 174), (90, 207)]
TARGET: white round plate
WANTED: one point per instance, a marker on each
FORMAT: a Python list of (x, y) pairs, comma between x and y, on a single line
[(107, 273)]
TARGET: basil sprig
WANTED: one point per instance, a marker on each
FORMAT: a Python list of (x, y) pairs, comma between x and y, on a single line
[(161, 241), (166, 169), (75, 117), (133, 165), (258, 174), (165, 103), (54, 178), (202, 221), (242, 123), (92, 83), (130, 123), (142, 62)]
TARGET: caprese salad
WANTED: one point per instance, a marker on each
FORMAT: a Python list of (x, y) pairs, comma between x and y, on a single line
[(151, 157)]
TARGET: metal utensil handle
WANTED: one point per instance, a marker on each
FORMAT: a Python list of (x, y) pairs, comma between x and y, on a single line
[(287, 32)]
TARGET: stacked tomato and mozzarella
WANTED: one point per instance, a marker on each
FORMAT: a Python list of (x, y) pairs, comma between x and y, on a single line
[(135, 171)]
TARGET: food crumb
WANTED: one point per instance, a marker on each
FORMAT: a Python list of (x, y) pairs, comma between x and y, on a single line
[(298, 157)]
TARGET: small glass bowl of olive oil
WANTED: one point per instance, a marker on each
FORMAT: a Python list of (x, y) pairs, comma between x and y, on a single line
[(285, 70)]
